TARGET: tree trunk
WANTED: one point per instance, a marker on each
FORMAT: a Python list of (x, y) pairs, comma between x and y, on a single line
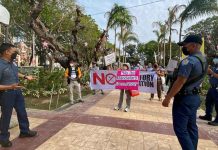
[(180, 39), (119, 53), (115, 41), (158, 51), (170, 44), (164, 53)]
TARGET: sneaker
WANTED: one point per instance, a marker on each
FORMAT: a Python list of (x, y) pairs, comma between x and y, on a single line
[(28, 134), (102, 93), (150, 99), (6, 143), (126, 109), (205, 118), (213, 123), (117, 108)]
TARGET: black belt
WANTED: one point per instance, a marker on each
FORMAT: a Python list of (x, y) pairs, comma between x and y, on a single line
[(214, 86), (2, 91), (189, 92)]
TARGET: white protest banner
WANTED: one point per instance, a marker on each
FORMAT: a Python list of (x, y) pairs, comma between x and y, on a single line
[(172, 65), (103, 79), (106, 80), (109, 59), (148, 82)]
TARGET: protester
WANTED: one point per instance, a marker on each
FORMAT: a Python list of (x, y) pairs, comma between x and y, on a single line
[(95, 68), (149, 68), (11, 95), (159, 82), (73, 75), (127, 92)]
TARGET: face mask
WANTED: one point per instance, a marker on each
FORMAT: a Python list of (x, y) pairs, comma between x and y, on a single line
[(215, 61), (14, 56), (185, 51), (71, 65)]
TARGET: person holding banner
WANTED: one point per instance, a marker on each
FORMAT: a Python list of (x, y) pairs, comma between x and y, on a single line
[(185, 90), (95, 68), (127, 92)]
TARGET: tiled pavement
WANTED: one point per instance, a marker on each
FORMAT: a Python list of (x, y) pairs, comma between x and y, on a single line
[(94, 125)]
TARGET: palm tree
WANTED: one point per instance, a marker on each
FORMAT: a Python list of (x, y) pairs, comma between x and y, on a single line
[(197, 8), (119, 16), (126, 37), (172, 19), (161, 33)]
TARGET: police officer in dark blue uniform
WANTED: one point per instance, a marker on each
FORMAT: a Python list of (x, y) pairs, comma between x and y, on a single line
[(185, 91), (11, 95), (212, 95)]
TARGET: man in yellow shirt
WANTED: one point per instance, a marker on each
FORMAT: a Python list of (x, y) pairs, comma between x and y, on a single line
[(73, 75)]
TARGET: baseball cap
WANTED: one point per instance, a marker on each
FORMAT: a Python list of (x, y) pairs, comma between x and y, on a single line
[(191, 39)]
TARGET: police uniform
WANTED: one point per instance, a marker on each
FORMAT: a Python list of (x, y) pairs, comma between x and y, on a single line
[(10, 99), (212, 97), (187, 101)]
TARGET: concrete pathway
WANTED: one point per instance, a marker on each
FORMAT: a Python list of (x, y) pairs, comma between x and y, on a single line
[(94, 125)]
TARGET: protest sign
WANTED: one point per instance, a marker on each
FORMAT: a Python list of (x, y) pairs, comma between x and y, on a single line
[(107, 80), (127, 79), (109, 59), (172, 65)]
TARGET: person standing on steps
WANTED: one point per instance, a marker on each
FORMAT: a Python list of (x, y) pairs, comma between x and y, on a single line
[(185, 90), (11, 95), (73, 75)]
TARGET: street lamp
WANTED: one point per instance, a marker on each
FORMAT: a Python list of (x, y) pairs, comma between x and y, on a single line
[(4, 20)]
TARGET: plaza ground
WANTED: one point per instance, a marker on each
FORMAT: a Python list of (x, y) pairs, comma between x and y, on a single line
[(94, 125)]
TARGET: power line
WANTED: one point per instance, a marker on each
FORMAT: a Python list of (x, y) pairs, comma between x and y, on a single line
[(132, 6)]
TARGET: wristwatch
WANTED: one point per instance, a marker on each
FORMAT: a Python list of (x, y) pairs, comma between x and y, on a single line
[(25, 77)]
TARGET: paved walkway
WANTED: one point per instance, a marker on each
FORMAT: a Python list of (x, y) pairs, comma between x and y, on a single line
[(94, 125)]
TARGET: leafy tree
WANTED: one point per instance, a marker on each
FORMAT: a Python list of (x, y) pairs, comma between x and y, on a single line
[(197, 8), (172, 19), (208, 28)]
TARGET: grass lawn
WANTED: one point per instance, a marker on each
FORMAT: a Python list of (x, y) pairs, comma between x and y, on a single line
[(43, 102)]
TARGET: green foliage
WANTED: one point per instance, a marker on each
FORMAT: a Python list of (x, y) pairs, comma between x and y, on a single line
[(207, 27), (47, 83)]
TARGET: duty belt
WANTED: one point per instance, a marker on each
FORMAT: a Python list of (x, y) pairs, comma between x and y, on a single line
[(2, 91), (189, 92), (214, 86)]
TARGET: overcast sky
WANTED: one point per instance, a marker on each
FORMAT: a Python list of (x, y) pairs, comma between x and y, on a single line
[(145, 15)]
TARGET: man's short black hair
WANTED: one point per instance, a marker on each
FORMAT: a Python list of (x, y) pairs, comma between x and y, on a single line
[(5, 46)]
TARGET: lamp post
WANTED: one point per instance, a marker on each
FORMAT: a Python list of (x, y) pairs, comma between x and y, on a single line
[(4, 20)]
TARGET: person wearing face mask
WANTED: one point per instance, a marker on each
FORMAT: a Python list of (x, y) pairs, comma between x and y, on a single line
[(212, 95), (73, 75), (185, 90), (11, 95)]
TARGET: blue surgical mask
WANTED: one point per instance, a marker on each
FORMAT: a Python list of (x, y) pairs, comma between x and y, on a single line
[(215, 61)]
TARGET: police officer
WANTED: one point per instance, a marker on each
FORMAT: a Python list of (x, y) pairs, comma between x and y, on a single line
[(11, 95), (212, 95), (185, 91)]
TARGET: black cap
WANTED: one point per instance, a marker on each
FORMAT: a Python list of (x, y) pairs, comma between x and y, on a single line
[(191, 39)]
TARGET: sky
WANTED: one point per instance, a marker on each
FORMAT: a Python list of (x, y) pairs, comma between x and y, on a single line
[(145, 15)]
